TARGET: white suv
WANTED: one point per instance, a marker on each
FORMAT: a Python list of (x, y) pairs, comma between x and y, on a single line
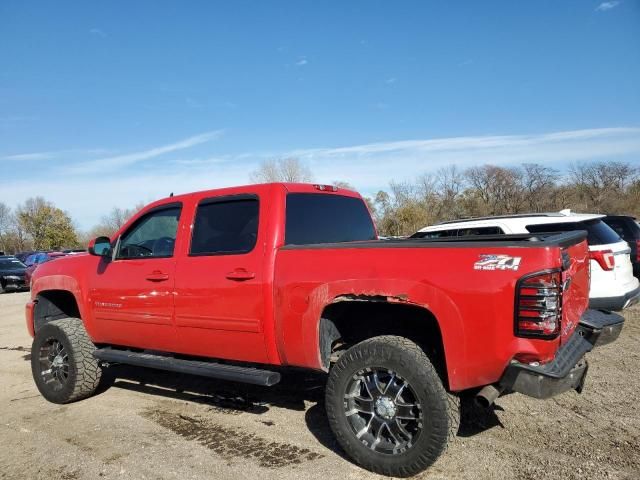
[(613, 286)]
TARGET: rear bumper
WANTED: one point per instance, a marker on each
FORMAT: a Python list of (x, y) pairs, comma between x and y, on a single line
[(569, 368), (616, 303)]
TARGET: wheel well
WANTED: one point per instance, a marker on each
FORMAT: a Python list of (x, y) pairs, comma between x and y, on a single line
[(53, 305), (345, 323)]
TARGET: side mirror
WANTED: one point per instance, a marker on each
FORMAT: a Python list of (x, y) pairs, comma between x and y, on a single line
[(100, 247)]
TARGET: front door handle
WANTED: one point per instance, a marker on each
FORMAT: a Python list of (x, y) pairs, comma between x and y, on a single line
[(157, 276), (240, 274)]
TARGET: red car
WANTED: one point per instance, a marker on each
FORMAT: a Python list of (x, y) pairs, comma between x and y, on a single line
[(241, 283), (34, 260)]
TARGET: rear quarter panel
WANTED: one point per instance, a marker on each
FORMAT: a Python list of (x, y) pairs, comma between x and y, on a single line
[(474, 308)]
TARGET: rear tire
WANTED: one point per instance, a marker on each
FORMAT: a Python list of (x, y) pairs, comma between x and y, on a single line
[(62, 361), (388, 408)]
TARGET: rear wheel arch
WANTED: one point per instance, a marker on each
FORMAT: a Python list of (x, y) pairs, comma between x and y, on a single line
[(346, 322), (50, 305)]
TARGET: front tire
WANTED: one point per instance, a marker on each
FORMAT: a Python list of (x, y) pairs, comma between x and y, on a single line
[(388, 408), (62, 361)]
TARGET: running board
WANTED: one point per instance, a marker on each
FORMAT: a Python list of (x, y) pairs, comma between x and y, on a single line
[(221, 371)]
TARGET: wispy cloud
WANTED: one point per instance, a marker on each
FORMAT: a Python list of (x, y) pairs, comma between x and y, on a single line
[(302, 61), (391, 80), (109, 163), (29, 156), (98, 32), (368, 166), (13, 120), (474, 144), (604, 6)]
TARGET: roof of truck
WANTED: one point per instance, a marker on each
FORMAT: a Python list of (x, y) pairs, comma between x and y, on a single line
[(289, 186)]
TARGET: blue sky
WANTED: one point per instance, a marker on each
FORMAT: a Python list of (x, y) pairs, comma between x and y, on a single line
[(108, 104)]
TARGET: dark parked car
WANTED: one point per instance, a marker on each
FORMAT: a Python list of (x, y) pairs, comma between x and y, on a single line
[(627, 227), (12, 273)]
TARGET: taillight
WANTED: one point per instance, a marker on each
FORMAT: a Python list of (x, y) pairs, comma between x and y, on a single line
[(637, 250), (605, 259), (538, 311)]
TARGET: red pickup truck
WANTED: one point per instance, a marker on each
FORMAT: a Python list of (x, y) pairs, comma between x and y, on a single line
[(244, 283)]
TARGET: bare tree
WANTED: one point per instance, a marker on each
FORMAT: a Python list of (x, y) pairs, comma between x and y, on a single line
[(288, 169), (343, 184), (497, 189), (6, 222), (539, 183), (598, 186), (117, 217), (449, 183)]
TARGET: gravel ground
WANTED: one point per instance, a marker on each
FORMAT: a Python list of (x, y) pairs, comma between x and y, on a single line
[(152, 425)]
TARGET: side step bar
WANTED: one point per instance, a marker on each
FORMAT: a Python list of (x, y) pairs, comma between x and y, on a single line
[(221, 371)]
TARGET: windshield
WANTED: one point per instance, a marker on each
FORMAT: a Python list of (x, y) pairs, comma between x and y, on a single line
[(11, 264)]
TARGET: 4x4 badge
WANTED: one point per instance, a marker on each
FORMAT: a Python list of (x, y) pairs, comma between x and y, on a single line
[(497, 262)]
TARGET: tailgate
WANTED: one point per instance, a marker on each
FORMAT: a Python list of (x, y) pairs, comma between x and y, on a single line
[(575, 277)]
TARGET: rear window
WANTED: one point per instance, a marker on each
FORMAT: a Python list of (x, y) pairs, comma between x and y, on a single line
[(598, 232), (626, 228), (322, 218)]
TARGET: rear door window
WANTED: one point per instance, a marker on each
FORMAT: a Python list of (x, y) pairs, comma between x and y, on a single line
[(324, 218), (459, 232), (463, 232), (598, 232), (436, 234), (225, 226)]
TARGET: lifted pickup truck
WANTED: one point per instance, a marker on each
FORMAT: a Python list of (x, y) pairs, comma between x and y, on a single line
[(243, 283)]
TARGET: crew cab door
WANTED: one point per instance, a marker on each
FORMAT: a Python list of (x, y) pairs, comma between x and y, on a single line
[(220, 281), (132, 294)]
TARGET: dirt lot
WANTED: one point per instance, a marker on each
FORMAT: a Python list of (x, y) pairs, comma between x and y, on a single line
[(158, 426)]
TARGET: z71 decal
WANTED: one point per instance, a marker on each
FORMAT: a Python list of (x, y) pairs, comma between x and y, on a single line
[(497, 262)]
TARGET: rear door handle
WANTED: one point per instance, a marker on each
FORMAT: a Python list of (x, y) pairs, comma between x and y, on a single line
[(157, 277), (240, 274)]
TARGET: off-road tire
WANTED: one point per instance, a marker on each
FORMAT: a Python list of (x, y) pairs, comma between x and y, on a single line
[(84, 371), (440, 409)]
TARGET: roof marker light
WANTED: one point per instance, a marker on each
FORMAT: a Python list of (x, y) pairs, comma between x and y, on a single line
[(326, 188)]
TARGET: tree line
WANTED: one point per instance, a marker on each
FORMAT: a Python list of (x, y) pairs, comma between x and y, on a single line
[(38, 224), (451, 193), (404, 207)]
